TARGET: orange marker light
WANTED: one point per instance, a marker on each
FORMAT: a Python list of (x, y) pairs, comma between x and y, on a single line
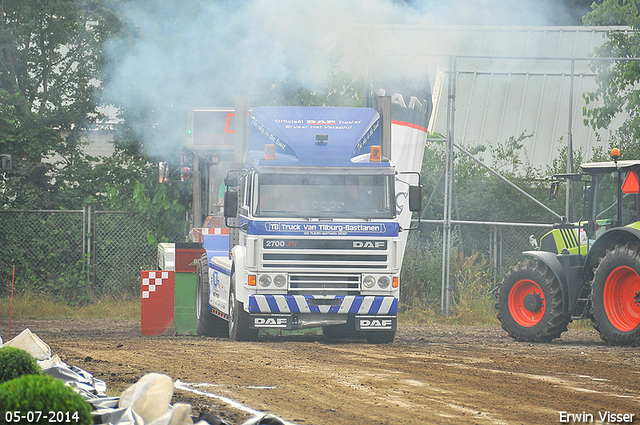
[(252, 280), (631, 183), (396, 282), (615, 153), (270, 152), (376, 154)]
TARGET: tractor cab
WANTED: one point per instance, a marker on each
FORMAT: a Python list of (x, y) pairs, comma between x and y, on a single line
[(611, 199), (614, 195)]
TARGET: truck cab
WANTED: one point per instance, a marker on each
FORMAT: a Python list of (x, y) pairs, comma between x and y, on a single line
[(314, 236)]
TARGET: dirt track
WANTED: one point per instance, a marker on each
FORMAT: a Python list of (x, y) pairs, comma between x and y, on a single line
[(429, 375)]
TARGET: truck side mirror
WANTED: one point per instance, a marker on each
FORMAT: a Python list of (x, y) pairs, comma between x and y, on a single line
[(231, 180), (230, 204), (415, 198)]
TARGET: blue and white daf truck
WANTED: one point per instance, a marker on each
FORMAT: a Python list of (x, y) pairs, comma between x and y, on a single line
[(314, 238)]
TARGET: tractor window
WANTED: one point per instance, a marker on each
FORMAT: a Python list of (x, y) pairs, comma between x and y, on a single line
[(606, 203), (630, 207), (605, 206)]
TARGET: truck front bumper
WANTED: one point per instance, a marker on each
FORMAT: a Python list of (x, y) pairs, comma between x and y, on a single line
[(362, 313), (338, 304)]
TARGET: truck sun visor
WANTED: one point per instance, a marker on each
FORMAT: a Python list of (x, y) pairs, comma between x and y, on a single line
[(313, 136)]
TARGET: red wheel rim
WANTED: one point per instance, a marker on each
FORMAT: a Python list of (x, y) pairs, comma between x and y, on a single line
[(520, 314), (621, 298)]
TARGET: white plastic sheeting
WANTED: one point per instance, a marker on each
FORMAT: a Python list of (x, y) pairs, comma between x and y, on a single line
[(147, 402)]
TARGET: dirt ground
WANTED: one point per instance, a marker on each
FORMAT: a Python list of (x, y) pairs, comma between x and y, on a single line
[(430, 375)]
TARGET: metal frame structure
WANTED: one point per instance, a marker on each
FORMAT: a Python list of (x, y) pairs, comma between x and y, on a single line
[(449, 173)]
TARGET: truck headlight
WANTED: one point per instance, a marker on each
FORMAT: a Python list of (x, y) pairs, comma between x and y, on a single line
[(368, 282), (384, 282), (280, 281), (265, 280)]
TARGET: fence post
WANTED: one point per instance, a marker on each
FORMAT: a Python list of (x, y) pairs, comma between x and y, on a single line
[(500, 262), (89, 244), (86, 234), (93, 257), (495, 253)]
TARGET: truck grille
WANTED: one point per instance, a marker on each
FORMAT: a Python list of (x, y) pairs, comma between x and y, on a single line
[(320, 266), (340, 284), (287, 259)]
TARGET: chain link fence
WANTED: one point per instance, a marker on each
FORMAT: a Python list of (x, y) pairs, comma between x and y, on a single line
[(120, 252), (75, 254), (44, 246), (95, 253), (502, 243), (483, 253)]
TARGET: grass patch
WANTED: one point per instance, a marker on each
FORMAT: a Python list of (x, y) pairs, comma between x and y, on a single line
[(584, 324), (34, 305), (469, 312)]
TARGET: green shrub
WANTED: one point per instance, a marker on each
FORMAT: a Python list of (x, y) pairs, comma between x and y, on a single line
[(15, 362), (41, 399)]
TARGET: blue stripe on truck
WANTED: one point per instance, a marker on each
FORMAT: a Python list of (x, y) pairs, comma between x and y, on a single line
[(356, 304)]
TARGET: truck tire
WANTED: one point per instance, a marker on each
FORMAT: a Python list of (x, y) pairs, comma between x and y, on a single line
[(345, 331), (334, 331), (529, 303), (207, 323), (615, 296), (239, 320), (380, 337)]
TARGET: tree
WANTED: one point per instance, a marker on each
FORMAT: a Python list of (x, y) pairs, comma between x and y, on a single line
[(618, 81), (50, 68)]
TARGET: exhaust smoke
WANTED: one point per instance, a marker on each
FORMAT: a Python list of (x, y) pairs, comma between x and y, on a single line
[(181, 54)]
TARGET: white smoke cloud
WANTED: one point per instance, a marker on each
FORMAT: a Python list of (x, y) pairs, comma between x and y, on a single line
[(189, 53)]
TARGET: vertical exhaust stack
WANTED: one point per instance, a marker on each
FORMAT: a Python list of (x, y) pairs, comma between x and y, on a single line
[(241, 146), (197, 192), (384, 109), (241, 141)]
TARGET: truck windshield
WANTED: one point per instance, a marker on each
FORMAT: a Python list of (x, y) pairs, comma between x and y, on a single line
[(324, 196)]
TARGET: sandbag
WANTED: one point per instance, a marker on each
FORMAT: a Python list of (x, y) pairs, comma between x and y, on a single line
[(31, 343), (149, 397), (178, 414)]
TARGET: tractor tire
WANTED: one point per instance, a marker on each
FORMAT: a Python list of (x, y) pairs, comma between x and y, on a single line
[(207, 323), (239, 320), (615, 296), (529, 303)]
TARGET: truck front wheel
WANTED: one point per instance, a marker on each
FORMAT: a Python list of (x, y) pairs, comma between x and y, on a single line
[(615, 296), (239, 320), (529, 303)]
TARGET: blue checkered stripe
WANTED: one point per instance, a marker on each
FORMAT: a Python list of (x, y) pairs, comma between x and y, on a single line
[(349, 304)]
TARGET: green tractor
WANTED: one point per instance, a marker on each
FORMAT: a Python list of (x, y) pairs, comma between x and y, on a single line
[(589, 269)]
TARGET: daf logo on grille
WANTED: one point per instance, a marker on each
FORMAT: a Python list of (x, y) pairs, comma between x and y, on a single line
[(369, 244)]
